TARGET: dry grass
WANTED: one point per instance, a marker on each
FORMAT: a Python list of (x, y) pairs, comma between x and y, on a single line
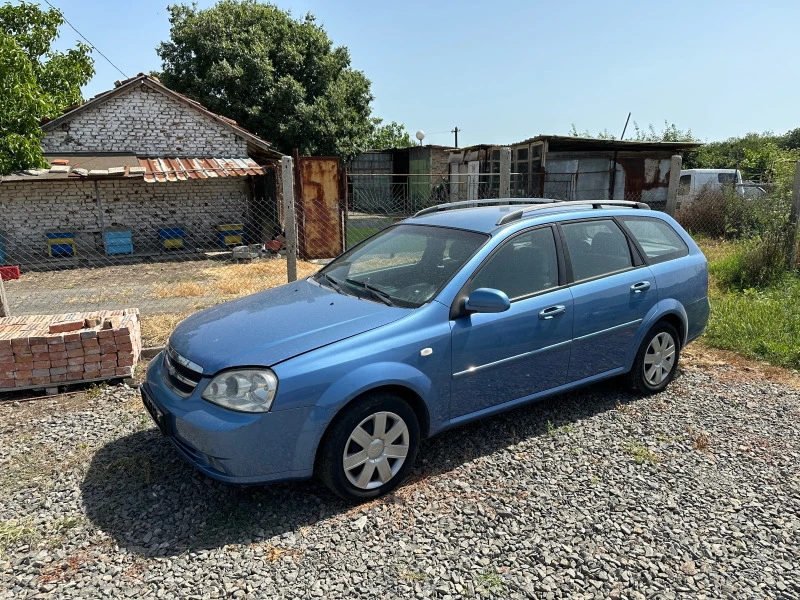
[(233, 281), (731, 366), (180, 289), (156, 329)]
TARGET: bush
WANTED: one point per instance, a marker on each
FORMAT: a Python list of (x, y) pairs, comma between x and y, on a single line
[(724, 213)]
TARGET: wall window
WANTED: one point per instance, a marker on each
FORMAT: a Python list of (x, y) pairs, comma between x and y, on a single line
[(596, 248), (524, 265)]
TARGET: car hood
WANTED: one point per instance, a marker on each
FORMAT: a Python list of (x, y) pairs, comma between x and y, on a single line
[(275, 325)]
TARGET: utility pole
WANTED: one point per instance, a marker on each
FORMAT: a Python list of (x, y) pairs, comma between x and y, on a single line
[(456, 130)]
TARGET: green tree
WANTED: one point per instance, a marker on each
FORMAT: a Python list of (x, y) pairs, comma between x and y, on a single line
[(277, 76), (36, 82), (389, 135)]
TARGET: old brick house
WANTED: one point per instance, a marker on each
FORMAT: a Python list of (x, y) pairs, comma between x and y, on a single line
[(144, 159)]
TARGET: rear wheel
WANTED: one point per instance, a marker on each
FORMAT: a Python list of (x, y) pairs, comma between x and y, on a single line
[(657, 360), (370, 447)]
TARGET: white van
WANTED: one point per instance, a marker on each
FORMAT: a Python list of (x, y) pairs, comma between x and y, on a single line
[(693, 181)]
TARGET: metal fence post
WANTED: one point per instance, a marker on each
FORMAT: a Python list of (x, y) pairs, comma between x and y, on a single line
[(4, 310), (505, 173), (290, 225), (794, 219), (674, 181)]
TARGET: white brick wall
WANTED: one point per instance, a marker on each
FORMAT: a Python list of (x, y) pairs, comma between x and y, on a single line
[(29, 209), (145, 122)]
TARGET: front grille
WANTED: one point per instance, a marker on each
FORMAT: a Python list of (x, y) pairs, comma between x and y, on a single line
[(181, 374)]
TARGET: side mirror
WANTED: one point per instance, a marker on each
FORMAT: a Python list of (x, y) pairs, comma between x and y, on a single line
[(487, 300)]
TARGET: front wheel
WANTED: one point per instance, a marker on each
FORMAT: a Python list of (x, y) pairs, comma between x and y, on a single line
[(370, 447), (656, 361)]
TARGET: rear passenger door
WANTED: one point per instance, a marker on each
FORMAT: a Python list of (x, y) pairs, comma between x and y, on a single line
[(612, 291)]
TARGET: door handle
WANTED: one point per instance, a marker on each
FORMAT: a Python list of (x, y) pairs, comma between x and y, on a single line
[(638, 288), (552, 311)]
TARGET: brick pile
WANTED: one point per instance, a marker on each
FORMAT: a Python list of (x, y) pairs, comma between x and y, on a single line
[(42, 350)]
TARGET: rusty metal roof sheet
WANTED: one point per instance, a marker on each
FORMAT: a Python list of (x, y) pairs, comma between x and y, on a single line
[(160, 170)]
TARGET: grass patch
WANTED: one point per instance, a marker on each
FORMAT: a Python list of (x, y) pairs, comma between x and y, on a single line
[(491, 583), (640, 453), (356, 235), (180, 289), (761, 324), (15, 533), (95, 391), (156, 329), (756, 323), (233, 281)]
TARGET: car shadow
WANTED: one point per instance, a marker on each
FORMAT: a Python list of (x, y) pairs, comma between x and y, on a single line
[(138, 489)]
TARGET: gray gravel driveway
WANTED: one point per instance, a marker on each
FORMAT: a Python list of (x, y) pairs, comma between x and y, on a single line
[(691, 493)]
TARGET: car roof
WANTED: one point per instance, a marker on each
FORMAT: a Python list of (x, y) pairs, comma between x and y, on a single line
[(484, 219)]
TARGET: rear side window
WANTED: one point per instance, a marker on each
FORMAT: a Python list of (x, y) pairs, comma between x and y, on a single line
[(685, 184), (524, 265), (659, 241), (596, 248)]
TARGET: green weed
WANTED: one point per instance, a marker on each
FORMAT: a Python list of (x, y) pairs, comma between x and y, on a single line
[(640, 453)]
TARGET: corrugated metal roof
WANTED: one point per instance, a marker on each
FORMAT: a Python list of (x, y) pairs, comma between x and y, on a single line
[(160, 170), (154, 170)]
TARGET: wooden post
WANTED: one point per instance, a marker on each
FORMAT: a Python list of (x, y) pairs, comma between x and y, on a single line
[(290, 224), (794, 219), (505, 173), (674, 182), (4, 310)]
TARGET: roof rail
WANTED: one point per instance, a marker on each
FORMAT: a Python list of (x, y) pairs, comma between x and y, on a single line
[(595, 204), (487, 202)]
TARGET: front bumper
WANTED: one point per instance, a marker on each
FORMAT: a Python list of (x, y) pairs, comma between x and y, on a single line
[(230, 446)]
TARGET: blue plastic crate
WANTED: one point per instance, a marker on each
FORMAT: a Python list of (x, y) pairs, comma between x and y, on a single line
[(119, 242)]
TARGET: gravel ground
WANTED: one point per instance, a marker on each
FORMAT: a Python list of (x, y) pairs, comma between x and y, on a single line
[(599, 494)]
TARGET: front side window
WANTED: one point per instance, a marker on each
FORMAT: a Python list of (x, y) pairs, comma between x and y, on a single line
[(659, 241), (524, 265), (404, 265), (596, 248)]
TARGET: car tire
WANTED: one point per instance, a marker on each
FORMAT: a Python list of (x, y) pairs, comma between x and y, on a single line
[(656, 360), (369, 448)]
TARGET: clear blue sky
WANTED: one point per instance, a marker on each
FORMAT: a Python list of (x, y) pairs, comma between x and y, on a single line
[(506, 71)]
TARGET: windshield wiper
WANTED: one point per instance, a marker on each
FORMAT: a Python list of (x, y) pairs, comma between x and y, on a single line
[(333, 283), (376, 293)]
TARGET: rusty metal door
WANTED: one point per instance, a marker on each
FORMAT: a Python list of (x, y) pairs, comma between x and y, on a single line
[(318, 207)]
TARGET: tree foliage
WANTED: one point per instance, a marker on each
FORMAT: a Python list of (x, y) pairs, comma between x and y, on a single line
[(762, 157), (389, 135), (36, 82), (277, 76)]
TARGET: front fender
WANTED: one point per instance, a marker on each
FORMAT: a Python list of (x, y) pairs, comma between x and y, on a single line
[(662, 308), (369, 377)]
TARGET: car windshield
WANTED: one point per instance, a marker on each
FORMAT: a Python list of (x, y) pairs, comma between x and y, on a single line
[(404, 265)]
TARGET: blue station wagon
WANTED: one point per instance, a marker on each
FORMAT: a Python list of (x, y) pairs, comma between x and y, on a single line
[(462, 311)]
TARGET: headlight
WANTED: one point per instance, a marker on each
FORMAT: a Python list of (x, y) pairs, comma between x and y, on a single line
[(245, 390)]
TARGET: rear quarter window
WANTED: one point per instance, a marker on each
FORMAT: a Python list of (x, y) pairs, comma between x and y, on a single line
[(659, 241)]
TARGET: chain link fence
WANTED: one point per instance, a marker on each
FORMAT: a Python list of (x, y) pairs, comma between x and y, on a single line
[(185, 247)]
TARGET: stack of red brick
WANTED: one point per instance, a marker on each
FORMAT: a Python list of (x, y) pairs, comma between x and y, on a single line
[(55, 349)]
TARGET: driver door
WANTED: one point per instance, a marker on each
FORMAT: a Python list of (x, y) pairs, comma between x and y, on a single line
[(500, 357)]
